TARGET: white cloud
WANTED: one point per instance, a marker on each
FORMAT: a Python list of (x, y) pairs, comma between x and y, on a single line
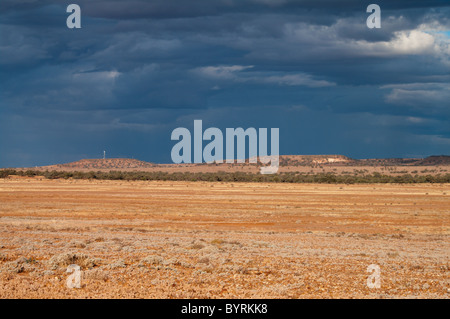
[(436, 95), (235, 73), (404, 43), (221, 72), (416, 120), (97, 76), (297, 80), (430, 39)]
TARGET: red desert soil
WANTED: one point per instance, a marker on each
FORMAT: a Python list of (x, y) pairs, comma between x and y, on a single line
[(223, 240)]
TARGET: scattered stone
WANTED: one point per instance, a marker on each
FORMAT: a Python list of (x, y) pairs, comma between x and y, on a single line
[(204, 260)]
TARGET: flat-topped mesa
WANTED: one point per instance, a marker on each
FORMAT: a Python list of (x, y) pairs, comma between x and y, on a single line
[(304, 160), (332, 159)]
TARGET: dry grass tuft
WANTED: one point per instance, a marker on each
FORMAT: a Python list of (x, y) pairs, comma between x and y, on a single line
[(66, 259)]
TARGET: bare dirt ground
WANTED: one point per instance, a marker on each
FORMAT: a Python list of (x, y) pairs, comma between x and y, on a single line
[(223, 240)]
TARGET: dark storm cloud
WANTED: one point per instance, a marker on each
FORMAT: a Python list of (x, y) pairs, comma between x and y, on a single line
[(138, 69)]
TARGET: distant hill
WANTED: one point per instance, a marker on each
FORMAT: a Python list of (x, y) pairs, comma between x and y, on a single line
[(341, 160), (102, 164), (286, 161), (428, 161), (435, 160)]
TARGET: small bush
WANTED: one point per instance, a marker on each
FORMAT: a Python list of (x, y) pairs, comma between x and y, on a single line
[(66, 259)]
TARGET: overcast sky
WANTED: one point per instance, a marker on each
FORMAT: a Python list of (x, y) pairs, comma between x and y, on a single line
[(137, 69)]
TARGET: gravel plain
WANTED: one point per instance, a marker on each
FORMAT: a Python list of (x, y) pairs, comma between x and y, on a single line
[(222, 240)]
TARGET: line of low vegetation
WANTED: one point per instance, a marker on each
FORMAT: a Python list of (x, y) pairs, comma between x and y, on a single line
[(287, 177)]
